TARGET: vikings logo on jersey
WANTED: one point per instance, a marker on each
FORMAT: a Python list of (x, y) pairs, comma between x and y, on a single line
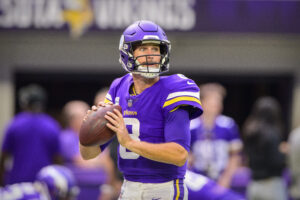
[(144, 118)]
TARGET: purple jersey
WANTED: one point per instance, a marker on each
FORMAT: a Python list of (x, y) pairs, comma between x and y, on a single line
[(211, 147), (85, 176), (69, 144), (201, 187), (32, 139), (24, 191), (144, 115)]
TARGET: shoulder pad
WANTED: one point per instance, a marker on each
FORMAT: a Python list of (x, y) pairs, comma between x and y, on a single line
[(182, 91), (225, 121)]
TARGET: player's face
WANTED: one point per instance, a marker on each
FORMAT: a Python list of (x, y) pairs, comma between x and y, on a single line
[(213, 104), (147, 54)]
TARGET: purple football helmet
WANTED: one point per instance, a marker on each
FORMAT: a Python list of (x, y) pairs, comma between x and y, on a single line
[(143, 32), (59, 181)]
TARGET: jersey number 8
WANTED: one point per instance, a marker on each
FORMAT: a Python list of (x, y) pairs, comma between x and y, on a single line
[(135, 123)]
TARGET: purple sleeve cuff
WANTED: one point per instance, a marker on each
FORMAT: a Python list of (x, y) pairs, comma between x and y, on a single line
[(103, 146)]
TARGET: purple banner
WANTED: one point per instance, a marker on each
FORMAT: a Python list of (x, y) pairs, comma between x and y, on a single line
[(173, 15), (248, 16)]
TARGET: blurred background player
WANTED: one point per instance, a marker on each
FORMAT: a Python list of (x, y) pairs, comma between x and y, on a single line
[(31, 139), (294, 162), (216, 143), (153, 130), (90, 174), (262, 134), (202, 187), (53, 182), (100, 95), (113, 189)]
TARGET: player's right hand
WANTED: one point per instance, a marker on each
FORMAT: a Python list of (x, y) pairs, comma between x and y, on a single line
[(87, 114), (95, 108), (101, 103)]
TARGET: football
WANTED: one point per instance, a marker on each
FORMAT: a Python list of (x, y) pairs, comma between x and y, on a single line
[(93, 130)]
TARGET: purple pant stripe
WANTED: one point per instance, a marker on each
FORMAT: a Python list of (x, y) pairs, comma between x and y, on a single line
[(181, 189)]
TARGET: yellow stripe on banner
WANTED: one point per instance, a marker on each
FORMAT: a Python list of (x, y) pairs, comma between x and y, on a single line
[(107, 101), (178, 191), (175, 100)]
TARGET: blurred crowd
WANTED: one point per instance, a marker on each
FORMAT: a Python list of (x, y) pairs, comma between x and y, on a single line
[(253, 160), (34, 140)]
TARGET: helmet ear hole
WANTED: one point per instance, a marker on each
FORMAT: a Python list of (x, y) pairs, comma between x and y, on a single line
[(163, 49)]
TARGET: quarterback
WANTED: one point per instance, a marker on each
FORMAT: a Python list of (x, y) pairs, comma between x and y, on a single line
[(153, 128)]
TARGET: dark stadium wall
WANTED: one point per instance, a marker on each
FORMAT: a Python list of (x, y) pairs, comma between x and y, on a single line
[(242, 90), (199, 52)]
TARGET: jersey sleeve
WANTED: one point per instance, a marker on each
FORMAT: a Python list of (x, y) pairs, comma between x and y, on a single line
[(109, 98), (182, 91), (7, 145), (236, 143), (114, 87), (103, 146), (232, 130), (54, 131), (177, 128)]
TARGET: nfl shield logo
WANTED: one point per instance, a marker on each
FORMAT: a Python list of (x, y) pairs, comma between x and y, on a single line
[(129, 102), (117, 100)]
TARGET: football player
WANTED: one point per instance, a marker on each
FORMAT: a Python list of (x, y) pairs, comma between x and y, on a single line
[(53, 182), (216, 143), (201, 187), (153, 128), (31, 139)]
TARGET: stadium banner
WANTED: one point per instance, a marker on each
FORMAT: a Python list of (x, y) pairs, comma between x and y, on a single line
[(173, 15)]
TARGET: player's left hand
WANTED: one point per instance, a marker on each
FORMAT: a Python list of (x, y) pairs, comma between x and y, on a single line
[(117, 124)]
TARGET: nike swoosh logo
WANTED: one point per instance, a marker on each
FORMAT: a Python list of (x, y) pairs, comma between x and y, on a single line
[(190, 83)]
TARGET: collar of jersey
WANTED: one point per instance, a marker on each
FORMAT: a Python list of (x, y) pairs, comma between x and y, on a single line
[(132, 91)]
